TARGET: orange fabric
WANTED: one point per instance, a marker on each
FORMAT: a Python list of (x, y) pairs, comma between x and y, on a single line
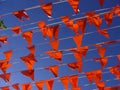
[(104, 61), (41, 24), (39, 85), (5, 88), (118, 56), (44, 32), (78, 40), (3, 39), (28, 37), (50, 32), (101, 51), (5, 77), (16, 86), (98, 75), (100, 85), (75, 28), (83, 50), (54, 44), (16, 29), (101, 2), (29, 60), (74, 81), (82, 25), (104, 32), (89, 16), (26, 86), (110, 42), (47, 8), (49, 84), (20, 14), (76, 88), (75, 5), (4, 66), (31, 49), (108, 17), (8, 55), (117, 10), (55, 31), (65, 81), (65, 19), (28, 73), (90, 76)]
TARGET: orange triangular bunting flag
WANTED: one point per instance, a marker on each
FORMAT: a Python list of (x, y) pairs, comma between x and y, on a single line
[(98, 75), (104, 32), (75, 5), (78, 40), (104, 61), (16, 29), (8, 55), (49, 84), (90, 76), (90, 16), (101, 2), (116, 10), (5, 77), (16, 86), (76, 88), (41, 24), (101, 51), (39, 85), (47, 8), (4, 66), (5, 88), (28, 37), (55, 31), (31, 49), (74, 80), (100, 85), (26, 86), (118, 56), (3, 39), (54, 44), (28, 73), (65, 81), (65, 19)]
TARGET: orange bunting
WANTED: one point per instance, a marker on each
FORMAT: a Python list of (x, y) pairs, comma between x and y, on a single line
[(78, 40), (76, 88), (117, 10), (4, 66), (28, 37), (100, 85), (5, 88), (55, 31), (5, 77), (75, 28), (54, 44), (74, 81), (90, 16), (101, 2), (29, 60), (20, 14), (54, 70), (65, 81), (41, 24), (49, 84), (76, 65), (82, 25), (65, 19), (83, 50), (16, 86), (90, 76), (108, 17), (47, 8), (28, 73), (3, 39), (101, 51), (75, 5), (31, 49), (40, 85), (16, 29), (118, 56), (8, 55), (26, 86), (104, 32)]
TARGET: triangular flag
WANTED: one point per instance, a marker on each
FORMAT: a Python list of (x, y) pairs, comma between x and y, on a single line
[(26, 86), (4, 66), (28, 36), (75, 5), (108, 17), (20, 14), (78, 40), (104, 61), (83, 50), (47, 8), (2, 25), (116, 10), (28, 73), (5, 88), (55, 31), (3, 39), (76, 88), (65, 81), (98, 75), (82, 25), (90, 16), (101, 2), (5, 77), (104, 32), (49, 84), (31, 49), (118, 56), (74, 81), (39, 85), (54, 44), (8, 55), (16, 86), (41, 24), (65, 19), (100, 85), (90, 76), (16, 29), (101, 51)]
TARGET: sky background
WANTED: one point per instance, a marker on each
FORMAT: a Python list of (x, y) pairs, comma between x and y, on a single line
[(18, 44)]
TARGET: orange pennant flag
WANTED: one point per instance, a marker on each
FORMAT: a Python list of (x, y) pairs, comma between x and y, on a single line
[(108, 17), (90, 16), (78, 40), (26, 86), (28, 73), (20, 14), (98, 75), (5, 88), (76, 88), (49, 84), (100, 85), (75, 5), (3, 39), (90, 76), (118, 56), (4, 66), (101, 2), (16, 86), (83, 50), (41, 24), (101, 51), (39, 85), (116, 10), (74, 81), (31, 49), (104, 61), (65, 19), (28, 36), (8, 55), (54, 70), (16, 29), (104, 32), (65, 81), (82, 25), (54, 44), (55, 31), (5, 77), (47, 8)]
